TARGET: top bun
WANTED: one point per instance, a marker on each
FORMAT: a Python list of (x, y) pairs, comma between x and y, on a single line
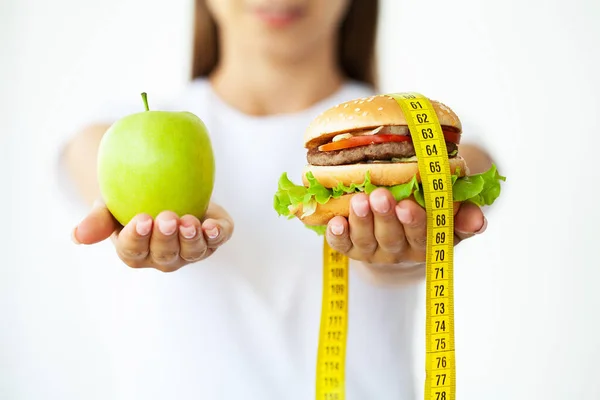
[(365, 113)]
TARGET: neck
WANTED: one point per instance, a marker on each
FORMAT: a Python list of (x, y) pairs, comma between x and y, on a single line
[(257, 84)]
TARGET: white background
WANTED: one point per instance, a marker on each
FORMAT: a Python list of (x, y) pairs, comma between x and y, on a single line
[(523, 76)]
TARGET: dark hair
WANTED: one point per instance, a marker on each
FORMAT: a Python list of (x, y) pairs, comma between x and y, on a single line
[(356, 48)]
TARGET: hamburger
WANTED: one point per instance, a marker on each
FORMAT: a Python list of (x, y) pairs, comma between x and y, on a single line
[(363, 144)]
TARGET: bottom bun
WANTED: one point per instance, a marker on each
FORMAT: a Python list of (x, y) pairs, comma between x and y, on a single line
[(384, 174), (325, 212)]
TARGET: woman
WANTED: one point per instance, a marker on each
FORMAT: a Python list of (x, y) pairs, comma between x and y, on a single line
[(244, 321)]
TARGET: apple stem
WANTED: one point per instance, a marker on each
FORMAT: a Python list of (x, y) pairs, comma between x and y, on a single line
[(145, 98)]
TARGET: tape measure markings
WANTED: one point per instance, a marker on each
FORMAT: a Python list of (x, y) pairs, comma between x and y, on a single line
[(331, 356), (434, 169)]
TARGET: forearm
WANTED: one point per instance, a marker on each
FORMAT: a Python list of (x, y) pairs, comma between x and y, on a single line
[(477, 159), (79, 160)]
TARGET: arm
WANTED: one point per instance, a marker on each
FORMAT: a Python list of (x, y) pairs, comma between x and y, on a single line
[(80, 161), (389, 240), (476, 157)]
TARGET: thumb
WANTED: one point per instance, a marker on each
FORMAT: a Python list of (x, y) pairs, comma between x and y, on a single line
[(98, 225)]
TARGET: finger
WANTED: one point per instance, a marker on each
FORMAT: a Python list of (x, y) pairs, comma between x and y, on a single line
[(133, 241), (97, 226), (469, 221), (414, 219), (216, 232), (360, 222), (217, 226), (389, 232), (192, 246), (457, 205), (164, 242), (337, 235)]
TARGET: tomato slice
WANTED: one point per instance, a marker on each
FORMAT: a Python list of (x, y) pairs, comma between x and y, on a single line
[(357, 141), (451, 136)]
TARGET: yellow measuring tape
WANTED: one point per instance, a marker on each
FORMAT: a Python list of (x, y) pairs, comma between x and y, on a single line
[(334, 325), (434, 170)]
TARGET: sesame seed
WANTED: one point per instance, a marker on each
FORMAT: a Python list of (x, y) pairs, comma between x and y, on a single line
[(346, 105), (357, 109), (364, 114), (380, 108)]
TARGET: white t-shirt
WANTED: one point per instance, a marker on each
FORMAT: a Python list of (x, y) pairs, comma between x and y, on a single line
[(244, 323)]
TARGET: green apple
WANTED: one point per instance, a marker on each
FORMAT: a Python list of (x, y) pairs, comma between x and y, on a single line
[(153, 161)]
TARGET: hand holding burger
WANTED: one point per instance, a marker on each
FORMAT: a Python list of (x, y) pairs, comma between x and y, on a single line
[(361, 186)]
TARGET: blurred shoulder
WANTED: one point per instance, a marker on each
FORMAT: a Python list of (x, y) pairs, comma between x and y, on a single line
[(193, 96)]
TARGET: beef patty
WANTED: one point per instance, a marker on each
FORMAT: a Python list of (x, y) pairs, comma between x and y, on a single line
[(377, 151)]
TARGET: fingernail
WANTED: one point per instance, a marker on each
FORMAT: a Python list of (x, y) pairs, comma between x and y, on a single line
[(360, 207), (97, 204), (143, 227), (483, 227), (337, 229), (404, 215), (213, 232), (166, 227), (481, 230), (380, 204), (73, 238), (188, 232)]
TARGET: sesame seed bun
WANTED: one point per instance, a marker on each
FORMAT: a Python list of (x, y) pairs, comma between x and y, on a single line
[(367, 113)]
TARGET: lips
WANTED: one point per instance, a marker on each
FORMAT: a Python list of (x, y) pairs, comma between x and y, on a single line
[(279, 16)]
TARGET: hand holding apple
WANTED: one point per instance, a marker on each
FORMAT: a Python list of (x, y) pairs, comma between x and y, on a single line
[(156, 174), (166, 243)]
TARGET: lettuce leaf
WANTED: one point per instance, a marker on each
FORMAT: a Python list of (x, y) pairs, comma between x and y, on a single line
[(481, 189), (468, 187)]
